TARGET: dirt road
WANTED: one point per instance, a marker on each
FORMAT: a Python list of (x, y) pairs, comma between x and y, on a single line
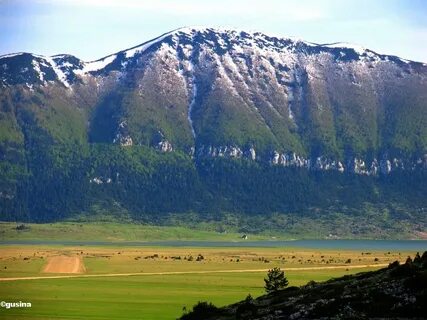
[(64, 264), (190, 272)]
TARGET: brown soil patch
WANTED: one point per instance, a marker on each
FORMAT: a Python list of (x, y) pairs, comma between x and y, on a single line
[(64, 264)]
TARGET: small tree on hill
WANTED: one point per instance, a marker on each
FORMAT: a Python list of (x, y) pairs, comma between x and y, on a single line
[(275, 280)]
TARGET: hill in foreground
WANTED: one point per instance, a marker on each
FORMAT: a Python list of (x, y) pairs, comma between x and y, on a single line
[(396, 292)]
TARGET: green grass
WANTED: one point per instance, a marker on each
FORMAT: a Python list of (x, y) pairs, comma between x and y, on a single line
[(21, 268), (108, 231), (136, 297), (157, 296)]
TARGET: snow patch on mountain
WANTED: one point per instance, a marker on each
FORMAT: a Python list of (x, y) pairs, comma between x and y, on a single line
[(344, 45), (38, 70), (59, 73), (129, 53), (11, 55), (96, 65), (193, 98)]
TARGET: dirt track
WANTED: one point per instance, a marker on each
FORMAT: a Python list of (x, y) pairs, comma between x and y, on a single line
[(189, 272), (64, 264)]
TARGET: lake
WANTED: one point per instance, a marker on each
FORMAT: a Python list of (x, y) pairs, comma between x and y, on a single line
[(391, 245)]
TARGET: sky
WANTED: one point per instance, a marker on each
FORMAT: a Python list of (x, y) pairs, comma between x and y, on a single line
[(91, 29)]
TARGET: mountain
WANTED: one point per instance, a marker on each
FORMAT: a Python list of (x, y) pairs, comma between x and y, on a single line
[(396, 292), (214, 114)]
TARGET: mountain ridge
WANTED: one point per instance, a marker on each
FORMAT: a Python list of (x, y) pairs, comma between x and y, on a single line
[(228, 48), (169, 111), (191, 31)]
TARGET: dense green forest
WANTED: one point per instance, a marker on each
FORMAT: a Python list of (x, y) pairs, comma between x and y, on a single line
[(56, 182)]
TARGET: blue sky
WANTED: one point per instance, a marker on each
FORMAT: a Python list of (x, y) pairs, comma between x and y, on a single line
[(91, 29)]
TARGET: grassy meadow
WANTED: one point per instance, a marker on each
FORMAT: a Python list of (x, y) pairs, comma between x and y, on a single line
[(164, 281), (136, 297), (159, 296), (112, 231)]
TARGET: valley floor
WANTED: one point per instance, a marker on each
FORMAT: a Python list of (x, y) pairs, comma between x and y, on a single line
[(188, 228), (122, 282)]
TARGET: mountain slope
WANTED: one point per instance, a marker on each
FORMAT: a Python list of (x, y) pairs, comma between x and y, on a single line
[(216, 89), (198, 94)]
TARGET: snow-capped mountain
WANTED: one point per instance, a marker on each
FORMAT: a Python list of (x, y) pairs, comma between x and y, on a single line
[(209, 120), (19, 68), (212, 92)]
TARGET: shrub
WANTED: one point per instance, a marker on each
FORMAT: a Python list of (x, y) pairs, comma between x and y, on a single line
[(200, 311), (275, 280), (246, 309), (22, 227), (200, 257)]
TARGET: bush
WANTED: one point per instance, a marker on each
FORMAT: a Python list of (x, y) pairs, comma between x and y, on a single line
[(246, 309), (200, 257), (394, 264), (201, 310), (22, 227), (275, 280)]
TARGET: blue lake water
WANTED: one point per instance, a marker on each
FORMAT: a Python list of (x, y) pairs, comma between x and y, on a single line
[(390, 245)]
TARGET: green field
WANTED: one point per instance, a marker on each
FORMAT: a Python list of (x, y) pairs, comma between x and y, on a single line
[(136, 297), (158, 296), (151, 296), (113, 231)]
